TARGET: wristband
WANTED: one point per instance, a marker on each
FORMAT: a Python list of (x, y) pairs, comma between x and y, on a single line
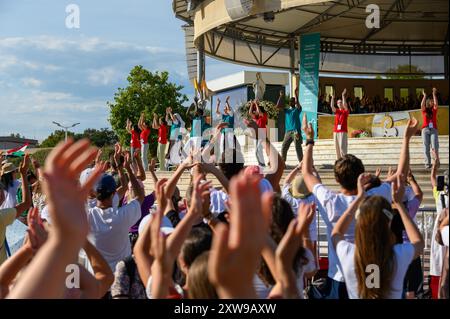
[(310, 142)]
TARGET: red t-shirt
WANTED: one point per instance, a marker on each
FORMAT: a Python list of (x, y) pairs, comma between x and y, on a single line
[(144, 136), (162, 134), (135, 141), (427, 122), (261, 120), (340, 121)]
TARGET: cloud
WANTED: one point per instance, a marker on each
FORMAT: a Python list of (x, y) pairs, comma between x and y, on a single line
[(31, 82), (104, 76), (47, 78)]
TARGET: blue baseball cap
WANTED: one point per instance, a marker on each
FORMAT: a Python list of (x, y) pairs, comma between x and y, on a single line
[(106, 185)]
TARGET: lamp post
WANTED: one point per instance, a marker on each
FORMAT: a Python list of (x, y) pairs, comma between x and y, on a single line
[(66, 128)]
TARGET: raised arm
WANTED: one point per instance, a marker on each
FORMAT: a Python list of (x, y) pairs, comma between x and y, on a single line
[(212, 169), (155, 123), (97, 285), (435, 99), (310, 178), (26, 201), (280, 103), (137, 189), (414, 235), (291, 176), (434, 170), (333, 109), (423, 104), (129, 124), (66, 202), (344, 99), (218, 107), (297, 101), (415, 186), (403, 163)]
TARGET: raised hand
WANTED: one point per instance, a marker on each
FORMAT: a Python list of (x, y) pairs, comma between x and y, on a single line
[(411, 128), (162, 266), (424, 93), (378, 172), (66, 198), (152, 165), (160, 193), (24, 165), (37, 235), (344, 92), (199, 195), (306, 214), (363, 179), (434, 90), (309, 131), (398, 189), (236, 250)]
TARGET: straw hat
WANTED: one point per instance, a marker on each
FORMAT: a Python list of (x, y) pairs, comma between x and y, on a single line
[(8, 168), (299, 189)]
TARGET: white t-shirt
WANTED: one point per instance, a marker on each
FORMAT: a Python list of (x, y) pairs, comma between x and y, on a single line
[(332, 206), (444, 235), (11, 195), (403, 256), (295, 204), (109, 230), (437, 252)]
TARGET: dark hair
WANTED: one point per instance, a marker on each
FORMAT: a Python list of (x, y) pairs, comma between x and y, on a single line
[(136, 129), (198, 241), (233, 168), (8, 180), (347, 170), (200, 112), (282, 216), (103, 195)]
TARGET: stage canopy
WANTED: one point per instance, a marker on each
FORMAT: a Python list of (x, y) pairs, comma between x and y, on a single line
[(264, 33)]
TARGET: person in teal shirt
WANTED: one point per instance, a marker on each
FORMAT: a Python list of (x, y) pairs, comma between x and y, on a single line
[(292, 126), (228, 118)]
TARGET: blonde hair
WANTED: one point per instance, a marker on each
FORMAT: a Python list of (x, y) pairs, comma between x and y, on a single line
[(199, 286)]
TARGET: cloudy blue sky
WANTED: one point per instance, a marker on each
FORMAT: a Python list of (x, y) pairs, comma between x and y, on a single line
[(51, 73)]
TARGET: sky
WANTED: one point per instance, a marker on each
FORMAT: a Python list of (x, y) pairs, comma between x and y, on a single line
[(49, 72)]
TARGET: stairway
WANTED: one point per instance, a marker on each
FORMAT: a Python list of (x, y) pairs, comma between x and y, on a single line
[(374, 152)]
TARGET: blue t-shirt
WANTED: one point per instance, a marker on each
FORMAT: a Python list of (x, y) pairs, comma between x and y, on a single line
[(292, 119), (198, 126), (174, 131), (229, 119)]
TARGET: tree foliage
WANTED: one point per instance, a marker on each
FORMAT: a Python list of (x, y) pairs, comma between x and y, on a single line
[(146, 92), (100, 138), (411, 72)]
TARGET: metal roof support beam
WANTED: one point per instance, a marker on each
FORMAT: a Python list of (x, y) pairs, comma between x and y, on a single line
[(401, 7), (325, 15)]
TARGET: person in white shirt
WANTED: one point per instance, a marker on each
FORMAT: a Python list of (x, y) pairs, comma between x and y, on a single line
[(374, 267), (295, 193), (332, 205), (8, 174), (109, 225)]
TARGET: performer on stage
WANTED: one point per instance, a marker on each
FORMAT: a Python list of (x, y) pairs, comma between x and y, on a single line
[(227, 117), (340, 131), (259, 115), (161, 125), (292, 126)]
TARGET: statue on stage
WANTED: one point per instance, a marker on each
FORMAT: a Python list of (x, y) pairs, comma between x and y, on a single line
[(259, 87)]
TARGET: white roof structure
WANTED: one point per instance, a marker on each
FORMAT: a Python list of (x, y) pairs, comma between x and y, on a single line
[(265, 33)]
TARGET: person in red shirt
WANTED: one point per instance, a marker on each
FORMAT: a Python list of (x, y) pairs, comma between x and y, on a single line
[(340, 131), (429, 126), (135, 144), (161, 125), (259, 115), (145, 133)]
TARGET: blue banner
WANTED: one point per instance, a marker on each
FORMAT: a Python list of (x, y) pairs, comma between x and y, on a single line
[(309, 77)]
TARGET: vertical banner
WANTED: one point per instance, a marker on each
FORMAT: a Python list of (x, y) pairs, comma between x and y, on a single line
[(309, 77)]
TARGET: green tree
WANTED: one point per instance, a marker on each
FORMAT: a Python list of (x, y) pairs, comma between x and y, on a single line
[(57, 136), (100, 138), (411, 72), (146, 92)]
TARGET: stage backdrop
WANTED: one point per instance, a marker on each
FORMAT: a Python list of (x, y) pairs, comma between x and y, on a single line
[(309, 76), (382, 124)]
